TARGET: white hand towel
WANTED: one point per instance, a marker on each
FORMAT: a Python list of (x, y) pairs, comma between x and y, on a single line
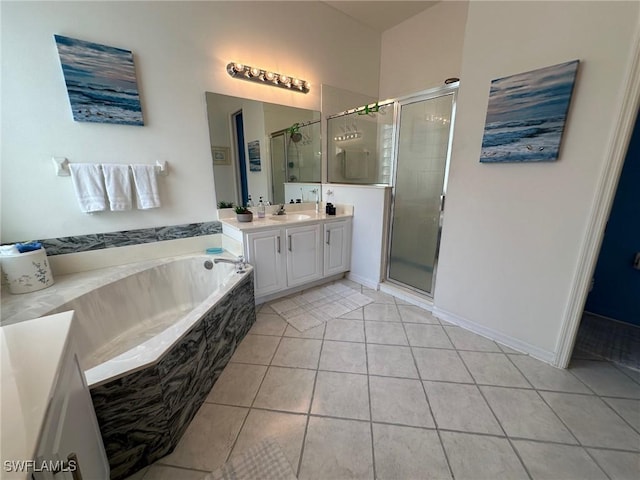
[(118, 184), (144, 177), (88, 183)]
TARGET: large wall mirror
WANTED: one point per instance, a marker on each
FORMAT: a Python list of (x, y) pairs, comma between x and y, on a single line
[(263, 150)]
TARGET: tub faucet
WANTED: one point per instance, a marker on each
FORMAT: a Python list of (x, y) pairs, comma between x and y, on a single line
[(239, 262), (281, 210)]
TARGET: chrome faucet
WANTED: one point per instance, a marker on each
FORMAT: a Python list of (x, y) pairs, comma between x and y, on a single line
[(281, 210), (240, 263)]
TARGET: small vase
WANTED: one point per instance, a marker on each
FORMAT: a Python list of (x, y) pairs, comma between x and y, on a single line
[(244, 217)]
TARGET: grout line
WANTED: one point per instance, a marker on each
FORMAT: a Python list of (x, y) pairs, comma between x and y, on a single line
[(424, 391), (494, 413), (618, 414), (313, 391), (366, 362)]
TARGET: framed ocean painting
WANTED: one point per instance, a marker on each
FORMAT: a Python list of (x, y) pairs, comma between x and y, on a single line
[(101, 82), (527, 114)]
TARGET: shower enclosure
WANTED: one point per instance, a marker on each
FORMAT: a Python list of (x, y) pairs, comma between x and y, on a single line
[(424, 127)]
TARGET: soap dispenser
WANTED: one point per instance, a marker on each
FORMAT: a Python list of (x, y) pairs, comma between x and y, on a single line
[(249, 202), (261, 208)]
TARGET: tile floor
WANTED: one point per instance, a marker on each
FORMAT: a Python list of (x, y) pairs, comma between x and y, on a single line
[(390, 392)]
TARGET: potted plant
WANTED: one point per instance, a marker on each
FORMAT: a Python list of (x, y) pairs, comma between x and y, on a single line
[(243, 214), (294, 132), (223, 204)]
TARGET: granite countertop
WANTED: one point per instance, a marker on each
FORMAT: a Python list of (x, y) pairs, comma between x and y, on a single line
[(298, 217)]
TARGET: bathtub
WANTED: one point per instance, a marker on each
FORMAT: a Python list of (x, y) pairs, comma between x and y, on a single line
[(153, 339)]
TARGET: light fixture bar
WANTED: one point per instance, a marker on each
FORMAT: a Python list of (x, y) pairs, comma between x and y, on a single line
[(254, 74)]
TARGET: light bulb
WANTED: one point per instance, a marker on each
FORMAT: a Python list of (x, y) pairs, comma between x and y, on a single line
[(270, 76), (296, 82), (284, 79), (255, 71), (238, 67)]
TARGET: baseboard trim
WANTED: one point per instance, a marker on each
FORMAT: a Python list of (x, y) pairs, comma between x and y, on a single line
[(496, 336), (407, 296), (363, 281)]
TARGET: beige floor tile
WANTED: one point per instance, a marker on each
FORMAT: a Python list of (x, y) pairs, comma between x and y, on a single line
[(618, 465), (493, 369), (287, 389), (634, 374), (382, 312), (343, 395), (398, 400), (465, 340), (377, 296), (357, 314), (627, 408), (297, 352), (391, 361), (343, 357), (408, 453), (163, 472), (258, 349), (345, 330), (592, 421), (385, 333), (207, 441), (432, 336), (413, 314), (549, 461), (523, 414), (545, 377), (476, 457), (337, 449), (269, 324), (315, 332), (509, 350), (238, 384), (442, 365), (457, 406), (286, 429), (605, 379)]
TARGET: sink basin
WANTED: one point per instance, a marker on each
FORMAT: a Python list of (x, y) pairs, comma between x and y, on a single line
[(290, 217)]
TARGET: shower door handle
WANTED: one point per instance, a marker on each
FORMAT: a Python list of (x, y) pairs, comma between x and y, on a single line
[(442, 199)]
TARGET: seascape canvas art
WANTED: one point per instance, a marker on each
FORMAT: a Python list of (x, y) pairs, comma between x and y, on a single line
[(101, 82), (527, 114)]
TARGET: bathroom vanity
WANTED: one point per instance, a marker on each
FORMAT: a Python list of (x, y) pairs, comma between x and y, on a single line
[(297, 249), (49, 426)]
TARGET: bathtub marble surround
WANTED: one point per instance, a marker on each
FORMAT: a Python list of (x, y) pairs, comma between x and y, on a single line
[(143, 415), (98, 241)]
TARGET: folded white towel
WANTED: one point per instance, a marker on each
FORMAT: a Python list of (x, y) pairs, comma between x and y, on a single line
[(144, 177), (118, 185), (88, 183)]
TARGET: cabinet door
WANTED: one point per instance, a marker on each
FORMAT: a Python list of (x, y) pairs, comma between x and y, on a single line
[(304, 254), (70, 431), (265, 252), (337, 247)]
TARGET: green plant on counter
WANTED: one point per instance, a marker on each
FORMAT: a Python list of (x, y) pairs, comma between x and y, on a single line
[(240, 210), (223, 204)]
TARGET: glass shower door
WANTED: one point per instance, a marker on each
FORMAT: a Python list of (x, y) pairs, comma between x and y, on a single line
[(424, 137), (278, 167)]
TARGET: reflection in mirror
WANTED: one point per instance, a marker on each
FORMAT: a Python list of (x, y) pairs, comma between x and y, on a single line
[(360, 145), (263, 150)]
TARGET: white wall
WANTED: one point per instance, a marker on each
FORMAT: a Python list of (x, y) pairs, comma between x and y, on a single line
[(180, 50), (512, 232), (423, 51)]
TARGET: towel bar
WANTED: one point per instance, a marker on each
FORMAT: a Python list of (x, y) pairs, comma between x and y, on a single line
[(61, 165)]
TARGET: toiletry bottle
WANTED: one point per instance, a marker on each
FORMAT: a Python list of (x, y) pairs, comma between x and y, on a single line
[(249, 202), (261, 208)]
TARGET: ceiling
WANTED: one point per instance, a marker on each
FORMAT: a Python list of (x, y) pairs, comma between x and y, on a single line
[(381, 15)]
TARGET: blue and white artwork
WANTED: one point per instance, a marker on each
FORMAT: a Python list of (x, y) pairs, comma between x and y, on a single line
[(527, 114), (101, 82)]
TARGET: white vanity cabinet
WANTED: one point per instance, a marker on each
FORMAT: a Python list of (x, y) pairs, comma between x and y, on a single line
[(304, 254), (287, 253), (337, 247), (284, 257)]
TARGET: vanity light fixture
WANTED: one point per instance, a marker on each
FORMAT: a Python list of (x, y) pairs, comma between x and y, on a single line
[(254, 74)]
